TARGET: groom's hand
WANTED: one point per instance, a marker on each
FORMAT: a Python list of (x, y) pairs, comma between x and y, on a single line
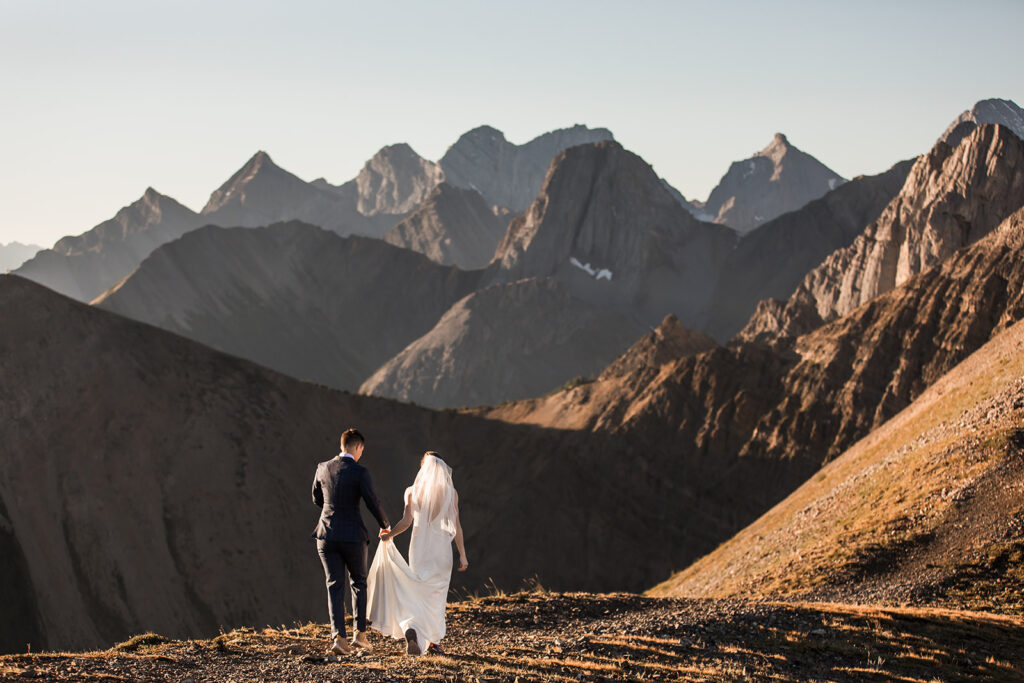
[(385, 533)]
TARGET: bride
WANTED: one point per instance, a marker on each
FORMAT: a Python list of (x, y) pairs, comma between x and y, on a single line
[(408, 600)]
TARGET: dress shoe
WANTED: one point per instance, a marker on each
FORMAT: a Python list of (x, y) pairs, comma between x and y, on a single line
[(412, 646), (359, 640), (340, 646)]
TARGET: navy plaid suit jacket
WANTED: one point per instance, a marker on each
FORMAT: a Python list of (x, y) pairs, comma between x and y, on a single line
[(338, 486)]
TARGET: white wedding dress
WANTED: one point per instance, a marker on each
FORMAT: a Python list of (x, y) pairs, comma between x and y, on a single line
[(401, 596)]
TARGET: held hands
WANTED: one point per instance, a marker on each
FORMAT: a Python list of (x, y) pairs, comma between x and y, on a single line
[(385, 534)]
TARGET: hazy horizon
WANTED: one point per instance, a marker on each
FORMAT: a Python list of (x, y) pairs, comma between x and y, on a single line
[(110, 98)]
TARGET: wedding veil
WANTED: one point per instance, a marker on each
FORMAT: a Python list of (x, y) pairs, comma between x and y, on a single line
[(434, 494)]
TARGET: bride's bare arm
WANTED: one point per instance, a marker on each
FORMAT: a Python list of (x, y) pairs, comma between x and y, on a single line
[(459, 542), (403, 523)]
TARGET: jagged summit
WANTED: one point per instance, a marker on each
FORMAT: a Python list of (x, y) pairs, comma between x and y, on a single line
[(997, 111), (395, 180), (507, 174), (234, 188), (778, 179)]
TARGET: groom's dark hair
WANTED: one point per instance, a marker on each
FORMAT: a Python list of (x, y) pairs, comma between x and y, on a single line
[(351, 438)]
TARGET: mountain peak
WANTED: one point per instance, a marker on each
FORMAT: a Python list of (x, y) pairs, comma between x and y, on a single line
[(994, 110), (778, 179)]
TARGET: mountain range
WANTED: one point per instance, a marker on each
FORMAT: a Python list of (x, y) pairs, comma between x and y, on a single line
[(860, 433), (390, 186), (14, 254)]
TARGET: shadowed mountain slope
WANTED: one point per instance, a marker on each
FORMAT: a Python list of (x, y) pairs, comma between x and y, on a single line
[(506, 174), (952, 197), (778, 179), (504, 342), (151, 483), (926, 509), (86, 265), (292, 297), (453, 226)]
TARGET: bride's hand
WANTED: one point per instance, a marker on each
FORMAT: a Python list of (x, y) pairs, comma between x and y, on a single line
[(463, 564)]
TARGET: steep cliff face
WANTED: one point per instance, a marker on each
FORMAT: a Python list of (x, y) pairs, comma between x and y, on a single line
[(777, 179), (453, 226), (605, 224), (86, 265), (292, 297), (952, 198), (505, 342), (507, 174), (772, 260)]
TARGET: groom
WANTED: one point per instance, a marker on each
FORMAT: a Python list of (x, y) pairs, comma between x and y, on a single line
[(341, 538)]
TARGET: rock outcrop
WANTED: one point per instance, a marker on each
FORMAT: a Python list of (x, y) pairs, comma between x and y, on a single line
[(667, 343), (453, 226), (505, 342), (952, 197), (506, 174), (292, 297), (14, 254), (395, 181), (86, 265), (605, 224), (777, 179)]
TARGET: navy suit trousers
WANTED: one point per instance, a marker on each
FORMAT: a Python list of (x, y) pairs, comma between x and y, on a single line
[(336, 556)]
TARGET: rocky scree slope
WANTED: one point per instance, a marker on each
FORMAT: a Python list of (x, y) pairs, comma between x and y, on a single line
[(928, 509)]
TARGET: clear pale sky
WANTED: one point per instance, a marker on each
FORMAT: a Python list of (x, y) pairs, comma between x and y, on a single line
[(105, 98)]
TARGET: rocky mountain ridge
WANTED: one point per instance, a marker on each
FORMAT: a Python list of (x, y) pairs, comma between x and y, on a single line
[(506, 174), (86, 265), (952, 197), (391, 185)]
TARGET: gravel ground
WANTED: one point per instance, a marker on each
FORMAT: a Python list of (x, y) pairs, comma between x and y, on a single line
[(582, 637)]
